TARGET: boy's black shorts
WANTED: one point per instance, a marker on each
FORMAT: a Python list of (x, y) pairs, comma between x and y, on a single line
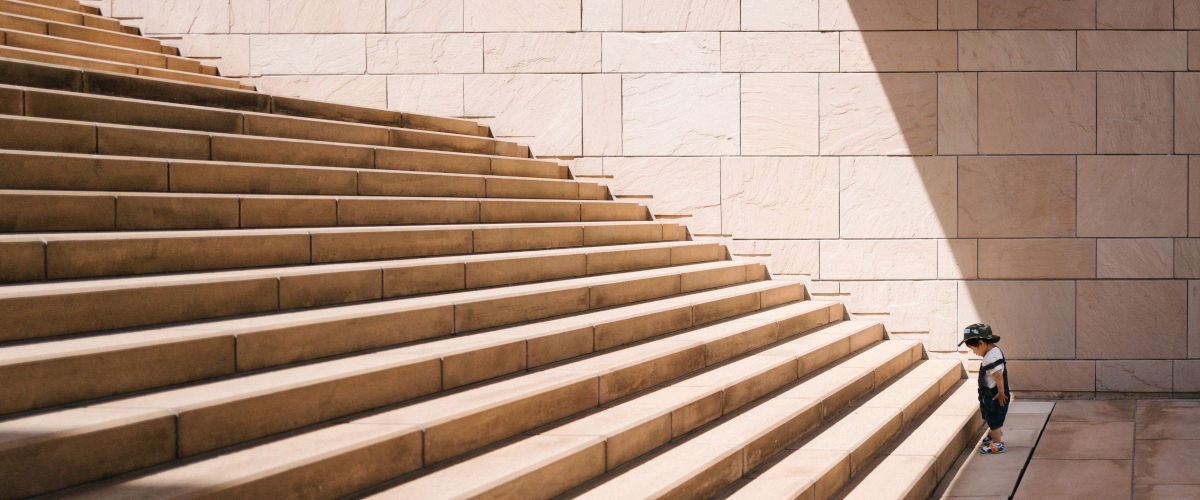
[(992, 412)]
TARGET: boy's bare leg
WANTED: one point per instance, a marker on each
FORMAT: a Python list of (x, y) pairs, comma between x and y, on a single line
[(996, 434)]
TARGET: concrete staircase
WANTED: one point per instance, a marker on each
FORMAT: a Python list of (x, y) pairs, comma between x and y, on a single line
[(213, 292)]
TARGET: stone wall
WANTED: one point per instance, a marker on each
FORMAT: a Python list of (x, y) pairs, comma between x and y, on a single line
[(930, 163)]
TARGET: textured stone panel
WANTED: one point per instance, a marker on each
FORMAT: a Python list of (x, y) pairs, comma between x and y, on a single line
[(882, 114), (901, 197), (854, 15), (1132, 319), (232, 51), (1034, 319), (1037, 14), (602, 15), (521, 15), (424, 16), (1194, 50), (1133, 376), (898, 50), (958, 113), (602, 115), (681, 15), (437, 53), (1016, 196), (247, 16), (916, 307), (779, 114), (1187, 14), (1193, 300), (662, 52), (1187, 258), (1186, 375), (878, 259), (176, 16), (1134, 113), (1134, 14), (680, 186), (1016, 50), (780, 197), (1064, 376), (779, 15), (776, 52), (358, 90), (1194, 197), (1133, 50), (541, 52), (1132, 196), (680, 114), (307, 54), (1135, 258), (1037, 113), (958, 14), (342, 16), (1187, 114), (1037, 259), (958, 259), (438, 95), (798, 258), (542, 109)]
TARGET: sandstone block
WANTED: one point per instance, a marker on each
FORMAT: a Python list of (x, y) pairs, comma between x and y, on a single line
[(1187, 14), (662, 52), (1134, 376), (232, 51), (601, 116), (779, 52), (541, 52), (680, 186), (904, 197), (858, 117), (925, 307), (1194, 51), (1187, 258), (249, 16), (681, 15), (438, 95), (1072, 376), (1019, 50), (898, 51), (1037, 113), (780, 197), (544, 107), (1132, 196), (307, 54), (680, 114), (798, 258), (1134, 14), (1131, 319), (176, 16), (343, 16), (1034, 319), (451, 53), (1135, 258), (878, 259), (1016, 196), (958, 113), (1037, 259), (958, 14), (1037, 14), (1187, 113), (1134, 113), (356, 90), (422, 16), (779, 114), (521, 15), (779, 15), (861, 15), (602, 15), (958, 259), (1186, 375), (1194, 195), (1133, 50)]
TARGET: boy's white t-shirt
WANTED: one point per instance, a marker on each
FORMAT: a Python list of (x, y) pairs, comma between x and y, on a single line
[(990, 357)]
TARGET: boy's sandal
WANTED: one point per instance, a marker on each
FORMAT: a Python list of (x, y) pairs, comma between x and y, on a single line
[(987, 439), (992, 448)]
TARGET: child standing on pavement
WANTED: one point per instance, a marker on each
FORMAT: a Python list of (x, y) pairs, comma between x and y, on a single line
[(993, 384)]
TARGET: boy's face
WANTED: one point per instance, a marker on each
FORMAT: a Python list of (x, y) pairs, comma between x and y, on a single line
[(977, 347)]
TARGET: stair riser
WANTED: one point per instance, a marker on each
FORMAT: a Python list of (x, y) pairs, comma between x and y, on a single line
[(58, 15)]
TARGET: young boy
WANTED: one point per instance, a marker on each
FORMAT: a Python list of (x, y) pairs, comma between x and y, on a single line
[(993, 384)]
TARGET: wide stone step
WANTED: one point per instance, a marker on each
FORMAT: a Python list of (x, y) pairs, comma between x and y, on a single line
[(85, 172), (42, 10), (217, 414), (42, 103), (84, 255), (77, 32), (558, 459), (37, 211), (99, 82), (69, 136), (91, 50), (65, 4), (38, 56)]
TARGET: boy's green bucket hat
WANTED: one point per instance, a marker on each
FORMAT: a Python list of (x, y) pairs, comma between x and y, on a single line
[(979, 331)]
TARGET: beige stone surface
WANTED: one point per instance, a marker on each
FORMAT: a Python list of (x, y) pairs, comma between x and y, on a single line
[(1075, 440), (1098, 479), (1016, 50), (543, 110), (1194, 51), (958, 259), (904, 197), (1187, 14), (521, 15), (779, 114), (1132, 50), (541, 52), (926, 307), (898, 50), (1134, 113), (1135, 258), (176, 16), (1187, 258), (1132, 196), (424, 16), (1034, 319), (1134, 14), (681, 15), (1166, 462), (358, 90), (779, 15), (1057, 375), (1187, 113), (232, 51), (958, 113), (438, 95), (851, 15), (883, 114), (780, 197), (307, 54), (1194, 197), (958, 14), (878, 259), (342, 16), (779, 52), (601, 114), (247, 16), (1132, 319), (602, 15), (680, 114), (1037, 14), (1037, 258), (1134, 376), (680, 186), (1016, 196), (784, 258), (425, 53), (1193, 305), (1037, 113), (662, 52), (1185, 375)]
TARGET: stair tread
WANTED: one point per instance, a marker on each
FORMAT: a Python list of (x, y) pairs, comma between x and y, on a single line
[(99, 51), (66, 29), (33, 9), (82, 63)]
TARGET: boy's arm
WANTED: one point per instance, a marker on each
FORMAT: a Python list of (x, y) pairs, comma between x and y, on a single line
[(998, 376)]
